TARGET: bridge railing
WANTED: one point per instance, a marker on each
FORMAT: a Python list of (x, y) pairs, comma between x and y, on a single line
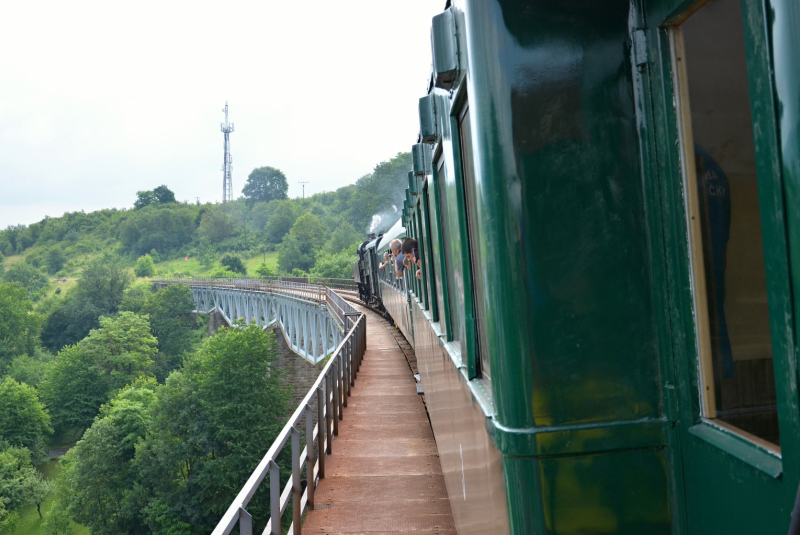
[(316, 292), (325, 400)]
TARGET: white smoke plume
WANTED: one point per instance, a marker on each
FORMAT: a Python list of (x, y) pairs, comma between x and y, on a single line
[(383, 221)]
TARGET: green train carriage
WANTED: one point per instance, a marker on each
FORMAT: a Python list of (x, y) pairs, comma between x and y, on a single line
[(606, 196)]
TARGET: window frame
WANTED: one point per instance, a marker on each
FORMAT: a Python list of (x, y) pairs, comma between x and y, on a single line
[(660, 127)]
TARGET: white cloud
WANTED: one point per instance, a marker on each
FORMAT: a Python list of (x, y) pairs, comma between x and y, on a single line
[(100, 99)]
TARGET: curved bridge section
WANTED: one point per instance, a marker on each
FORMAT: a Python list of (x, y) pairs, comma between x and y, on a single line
[(312, 318)]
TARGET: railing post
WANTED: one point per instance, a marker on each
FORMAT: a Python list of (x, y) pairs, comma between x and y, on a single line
[(346, 374), (340, 379), (245, 522), (328, 412), (321, 417), (310, 479), (275, 497), (296, 512), (336, 402)]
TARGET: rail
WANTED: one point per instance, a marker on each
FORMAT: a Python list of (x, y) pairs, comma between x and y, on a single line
[(326, 400)]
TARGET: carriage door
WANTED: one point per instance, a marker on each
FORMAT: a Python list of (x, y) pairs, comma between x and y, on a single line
[(733, 345)]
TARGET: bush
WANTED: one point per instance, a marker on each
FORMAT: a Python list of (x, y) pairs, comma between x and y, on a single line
[(233, 263), (145, 267), (264, 270)]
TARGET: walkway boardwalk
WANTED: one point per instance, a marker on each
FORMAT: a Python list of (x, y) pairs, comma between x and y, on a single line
[(384, 475)]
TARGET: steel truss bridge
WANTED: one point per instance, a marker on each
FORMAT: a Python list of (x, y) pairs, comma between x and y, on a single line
[(313, 318)]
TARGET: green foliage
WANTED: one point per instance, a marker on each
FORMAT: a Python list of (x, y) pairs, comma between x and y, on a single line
[(265, 184), (338, 266), (99, 292), (17, 480), (163, 229), (102, 475), (145, 267), (55, 260), (73, 390), (29, 278), (172, 323), (233, 263), (122, 349), (23, 420), (30, 369), (343, 237), (209, 430), (160, 195), (264, 270), (19, 326), (299, 249), (135, 295), (218, 223), (378, 191), (84, 376), (281, 220)]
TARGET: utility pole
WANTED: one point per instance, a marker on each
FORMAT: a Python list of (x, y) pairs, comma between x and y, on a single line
[(227, 163), (304, 190)]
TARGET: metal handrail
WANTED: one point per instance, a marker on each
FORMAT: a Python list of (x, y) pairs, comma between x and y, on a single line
[(327, 396)]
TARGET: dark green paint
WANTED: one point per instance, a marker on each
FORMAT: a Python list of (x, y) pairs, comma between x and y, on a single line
[(585, 265)]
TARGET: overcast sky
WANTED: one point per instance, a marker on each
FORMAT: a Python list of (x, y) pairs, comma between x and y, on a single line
[(100, 99)]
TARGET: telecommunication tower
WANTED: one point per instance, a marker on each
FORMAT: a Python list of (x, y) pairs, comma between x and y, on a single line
[(227, 165)]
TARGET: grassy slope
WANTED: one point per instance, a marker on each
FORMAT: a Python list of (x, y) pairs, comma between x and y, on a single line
[(194, 267), (29, 523)]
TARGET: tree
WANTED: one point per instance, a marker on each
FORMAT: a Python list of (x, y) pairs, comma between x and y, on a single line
[(171, 320), (27, 276), (135, 296), (291, 256), (102, 475), (17, 475), (265, 184), (343, 237), (218, 223), (160, 195), (209, 429), (122, 349), (164, 195), (299, 249), (144, 198), (30, 370), (264, 270), (19, 326), (157, 227), (55, 260), (338, 266), (145, 267), (233, 263), (281, 221), (99, 292), (23, 420), (73, 390), (39, 489)]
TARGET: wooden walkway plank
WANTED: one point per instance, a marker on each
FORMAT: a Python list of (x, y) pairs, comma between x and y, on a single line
[(384, 476)]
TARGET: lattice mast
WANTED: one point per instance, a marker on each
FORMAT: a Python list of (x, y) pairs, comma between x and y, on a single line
[(227, 165)]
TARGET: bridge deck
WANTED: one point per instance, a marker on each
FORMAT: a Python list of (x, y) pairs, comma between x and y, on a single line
[(384, 475)]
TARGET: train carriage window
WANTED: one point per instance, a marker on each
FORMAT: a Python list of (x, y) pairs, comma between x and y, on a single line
[(452, 252), (428, 258), (719, 167), (438, 273), (473, 232)]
